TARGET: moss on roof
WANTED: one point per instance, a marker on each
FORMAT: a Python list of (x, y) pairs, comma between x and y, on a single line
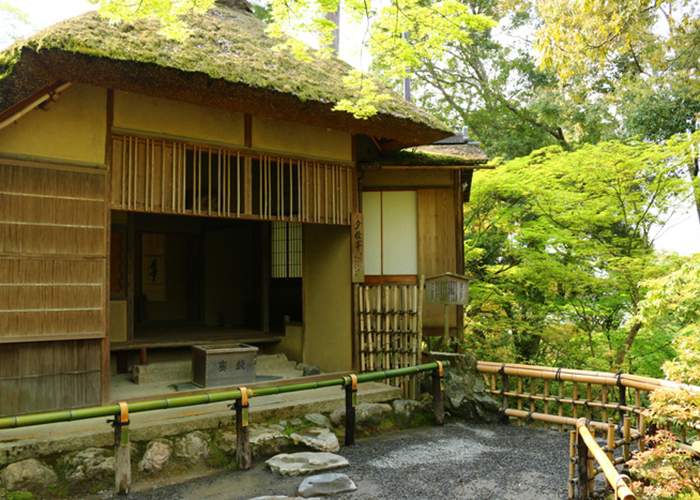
[(411, 158), (227, 46)]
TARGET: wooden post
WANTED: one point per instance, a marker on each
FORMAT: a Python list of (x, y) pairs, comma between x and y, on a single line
[(582, 468), (591, 463), (504, 390), (350, 405), (611, 438), (622, 399), (438, 395), (243, 459), (122, 455), (572, 463), (627, 437)]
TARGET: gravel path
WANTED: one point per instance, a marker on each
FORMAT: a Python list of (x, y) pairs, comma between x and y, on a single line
[(456, 461)]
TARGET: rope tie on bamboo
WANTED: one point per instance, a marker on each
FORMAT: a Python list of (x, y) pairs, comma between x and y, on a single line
[(502, 370), (528, 419), (619, 378), (557, 376)]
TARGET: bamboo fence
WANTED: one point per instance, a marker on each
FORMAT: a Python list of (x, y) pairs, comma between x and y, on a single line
[(389, 318), (561, 397), (167, 176)]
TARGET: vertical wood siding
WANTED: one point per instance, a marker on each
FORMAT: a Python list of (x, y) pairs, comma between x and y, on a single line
[(437, 245), (52, 286), (164, 176)]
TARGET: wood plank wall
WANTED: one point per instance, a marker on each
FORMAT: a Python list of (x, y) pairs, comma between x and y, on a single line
[(52, 286), (437, 247), (165, 176)]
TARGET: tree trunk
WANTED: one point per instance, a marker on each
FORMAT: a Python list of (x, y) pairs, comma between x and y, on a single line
[(629, 340)]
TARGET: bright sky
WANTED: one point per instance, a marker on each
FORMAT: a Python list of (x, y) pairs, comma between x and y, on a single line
[(681, 235)]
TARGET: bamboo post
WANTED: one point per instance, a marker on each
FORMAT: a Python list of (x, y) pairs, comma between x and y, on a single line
[(504, 390), (363, 328), (350, 383), (642, 427), (626, 432), (582, 463), (438, 395), (575, 397), (605, 401), (546, 403), (520, 399), (122, 450), (591, 462), (243, 458), (611, 438), (589, 397), (622, 400), (572, 464), (532, 401), (561, 406)]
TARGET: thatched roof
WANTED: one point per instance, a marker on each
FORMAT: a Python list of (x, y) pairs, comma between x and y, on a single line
[(227, 62), (468, 151), (448, 155)]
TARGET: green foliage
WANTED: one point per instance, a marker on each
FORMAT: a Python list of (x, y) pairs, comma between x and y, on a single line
[(14, 21), (663, 471), (20, 495), (560, 243), (168, 12), (671, 308)]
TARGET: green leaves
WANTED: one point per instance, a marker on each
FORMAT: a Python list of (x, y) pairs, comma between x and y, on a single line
[(169, 12), (563, 240)]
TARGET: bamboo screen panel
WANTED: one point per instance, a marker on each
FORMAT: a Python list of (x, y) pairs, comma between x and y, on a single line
[(52, 253), (165, 176), (389, 318), (47, 376)]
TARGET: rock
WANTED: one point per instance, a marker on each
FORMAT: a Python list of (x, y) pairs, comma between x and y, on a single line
[(156, 457), (316, 438), (296, 464), (465, 393), (92, 463), (192, 447), (226, 442), (367, 415), (284, 423), (296, 422), (310, 370), (405, 409), (275, 498), (318, 420), (328, 484), (27, 475), (268, 441), (696, 446)]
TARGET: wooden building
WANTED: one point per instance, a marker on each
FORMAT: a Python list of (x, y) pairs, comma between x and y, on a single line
[(156, 193)]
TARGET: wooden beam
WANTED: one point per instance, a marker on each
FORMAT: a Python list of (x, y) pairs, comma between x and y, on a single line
[(104, 351), (247, 130)]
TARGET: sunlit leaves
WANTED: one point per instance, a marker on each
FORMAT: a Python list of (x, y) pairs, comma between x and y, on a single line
[(169, 12), (563, 240)]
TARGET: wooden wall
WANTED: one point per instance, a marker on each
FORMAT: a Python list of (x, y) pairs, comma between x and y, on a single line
[(437, 246), (52, 286)]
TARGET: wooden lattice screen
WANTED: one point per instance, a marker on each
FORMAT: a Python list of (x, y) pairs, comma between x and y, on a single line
[(389, 319), (165, 176)]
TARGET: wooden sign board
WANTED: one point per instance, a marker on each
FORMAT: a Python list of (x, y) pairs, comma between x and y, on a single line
[(447, 289), (358, 248)]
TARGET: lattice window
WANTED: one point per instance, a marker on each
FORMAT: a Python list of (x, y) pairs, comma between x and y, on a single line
[(286, 250)]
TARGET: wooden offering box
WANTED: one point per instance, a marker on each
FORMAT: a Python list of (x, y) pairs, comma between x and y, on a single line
[(223, 364)]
